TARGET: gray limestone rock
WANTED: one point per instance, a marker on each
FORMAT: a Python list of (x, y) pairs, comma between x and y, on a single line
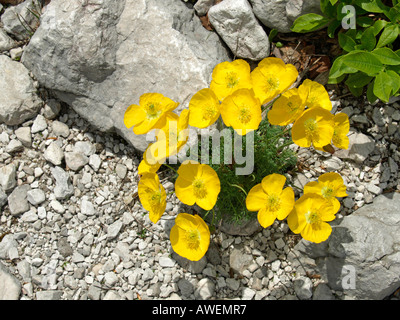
[(8, 177), (17, 200), (6, 43), (54, 154), (235, 22), (39, 124), (64, 247), (7, 243), (205, 289), (18, 101), (239, 260), (20, 20), (36, 196), (75, 160), (24, 135), (280, 14), (120, 51), (360, 147), (10, 287), (64, 188), (60, 129)]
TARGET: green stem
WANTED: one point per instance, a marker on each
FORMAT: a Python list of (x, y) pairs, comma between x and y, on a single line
[(206, 214), (168, 166), (269, 105), (239, 187)]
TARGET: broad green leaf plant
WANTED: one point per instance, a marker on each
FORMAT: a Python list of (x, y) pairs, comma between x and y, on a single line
[(369, 39)]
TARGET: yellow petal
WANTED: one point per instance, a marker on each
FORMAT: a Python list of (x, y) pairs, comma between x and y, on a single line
[(272, 77), (341, 129), (184, 191), (256, 198), (189, 170), (190, 236), (242, 111), (318, 97), (266, 218), (152, 195), (313, 187), (133, 116), (145, 167), (186, 221), (287, 203), (296, 221), (273, 183), (228, 77), (156, 212), (316, 232), (299, 135), (313, 126), (152, 110), (204, 109), (287, 108), (336, 181)]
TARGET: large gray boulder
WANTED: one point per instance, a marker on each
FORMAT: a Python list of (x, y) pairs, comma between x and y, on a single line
[(362, 255), (280, 14), (235, 22), (100, 57), (18, 98)]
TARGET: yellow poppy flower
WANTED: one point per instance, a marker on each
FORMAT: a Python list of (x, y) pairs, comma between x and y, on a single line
[(270, 200), (317, 95), (309, 217), (197, 183), (172, 137), (204, 109), (272, 77), (241, 111), (149, 114), (315, 126), (330, 185), (152, 196), (341, 129), (190, 236), (149, 163), (230, 76), (288, 107)]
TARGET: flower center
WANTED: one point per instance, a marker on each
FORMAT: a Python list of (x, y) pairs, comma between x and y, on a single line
[(327, 192), (272, 84), (199, 189), (292, 107), (192, 239), (155, 198), (209, 112), (231, 80), (152, 111), (311, 129), (312, 217), (244, 115), (273, 203)]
